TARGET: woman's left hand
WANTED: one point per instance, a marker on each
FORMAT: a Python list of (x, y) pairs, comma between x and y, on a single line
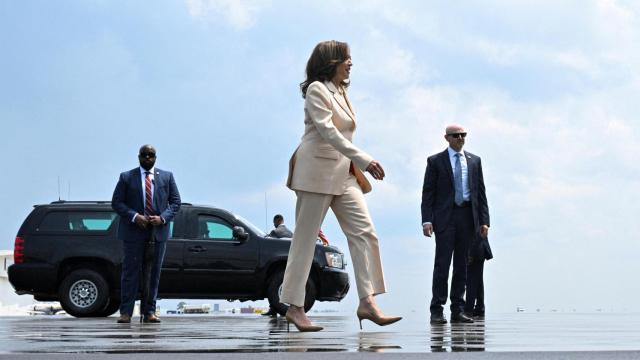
[(376, 170)]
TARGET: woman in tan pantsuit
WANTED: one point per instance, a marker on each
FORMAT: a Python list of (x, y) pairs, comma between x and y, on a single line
[(326, 171)]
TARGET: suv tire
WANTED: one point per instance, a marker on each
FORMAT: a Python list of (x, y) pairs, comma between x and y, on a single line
[(114, 305), (274, 289), (84, 293)]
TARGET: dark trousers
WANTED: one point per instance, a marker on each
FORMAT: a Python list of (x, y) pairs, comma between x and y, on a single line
[(132, 274), (475, 287), (452, 241)]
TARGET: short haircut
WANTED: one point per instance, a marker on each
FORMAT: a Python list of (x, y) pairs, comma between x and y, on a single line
[(278, 217)]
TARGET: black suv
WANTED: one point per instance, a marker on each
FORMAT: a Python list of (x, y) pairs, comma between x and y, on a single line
[(69, 252)]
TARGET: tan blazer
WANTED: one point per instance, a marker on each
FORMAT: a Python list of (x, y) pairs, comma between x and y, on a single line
[(321, 162)]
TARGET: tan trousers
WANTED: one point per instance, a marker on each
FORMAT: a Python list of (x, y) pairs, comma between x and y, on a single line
[(353, 216)]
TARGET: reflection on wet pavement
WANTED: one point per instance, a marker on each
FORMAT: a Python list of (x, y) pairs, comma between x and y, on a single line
[(458, 337), (506, 332)]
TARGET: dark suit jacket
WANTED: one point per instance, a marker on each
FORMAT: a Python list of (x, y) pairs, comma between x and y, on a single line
[(281, 232), (128, 200), (438, 193)]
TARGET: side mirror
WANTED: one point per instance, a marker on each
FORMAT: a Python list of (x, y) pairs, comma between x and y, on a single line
[(240, 234)]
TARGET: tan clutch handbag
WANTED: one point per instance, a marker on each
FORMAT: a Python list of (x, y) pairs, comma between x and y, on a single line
[(365, 185)]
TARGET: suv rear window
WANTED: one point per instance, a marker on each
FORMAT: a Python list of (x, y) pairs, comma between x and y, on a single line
[(77, 221)]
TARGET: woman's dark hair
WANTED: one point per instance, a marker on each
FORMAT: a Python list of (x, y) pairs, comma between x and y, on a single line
[(324, 59)]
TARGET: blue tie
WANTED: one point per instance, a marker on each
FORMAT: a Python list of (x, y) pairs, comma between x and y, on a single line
[(457, 179)]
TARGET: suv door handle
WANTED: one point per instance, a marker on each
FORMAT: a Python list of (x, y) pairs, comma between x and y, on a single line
[(197, 249)]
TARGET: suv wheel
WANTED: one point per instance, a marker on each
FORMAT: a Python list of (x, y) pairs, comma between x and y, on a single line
[(84, 293), (274, 289), (114, 305)]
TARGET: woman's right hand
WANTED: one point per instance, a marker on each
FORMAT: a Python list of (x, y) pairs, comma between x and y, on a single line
[(376, 170)]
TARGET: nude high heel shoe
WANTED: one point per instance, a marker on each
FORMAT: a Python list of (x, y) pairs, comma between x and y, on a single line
[(370, 314), (300, 327)]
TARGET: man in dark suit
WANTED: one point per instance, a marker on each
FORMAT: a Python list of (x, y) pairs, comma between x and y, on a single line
[(147, 199), (280, 231), (454, 207)]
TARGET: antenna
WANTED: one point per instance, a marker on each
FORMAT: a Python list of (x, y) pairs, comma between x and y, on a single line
[(69, 192), (266, 226), (58, 187)]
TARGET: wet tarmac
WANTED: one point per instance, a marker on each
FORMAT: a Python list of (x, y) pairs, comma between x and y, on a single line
[(519, 332)]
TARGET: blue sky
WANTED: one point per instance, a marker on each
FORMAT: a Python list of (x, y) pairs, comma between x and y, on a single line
[(546, 90)]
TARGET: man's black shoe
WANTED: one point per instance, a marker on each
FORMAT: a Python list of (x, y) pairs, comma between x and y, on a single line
[(271, 312), (460, 317), (438, 319)]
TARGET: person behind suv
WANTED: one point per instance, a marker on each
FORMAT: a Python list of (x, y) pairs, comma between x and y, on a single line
[(147, 199), (280, 231)]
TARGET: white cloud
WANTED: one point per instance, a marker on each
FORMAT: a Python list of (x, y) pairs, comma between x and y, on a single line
[(380, 58), (600, 42), (615, 17), (239, 14), (409, 15)]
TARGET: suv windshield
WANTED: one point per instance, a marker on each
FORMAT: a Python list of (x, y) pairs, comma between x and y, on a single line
[(253, 228)]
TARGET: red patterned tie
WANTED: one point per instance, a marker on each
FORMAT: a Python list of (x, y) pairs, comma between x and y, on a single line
[(148, 207)]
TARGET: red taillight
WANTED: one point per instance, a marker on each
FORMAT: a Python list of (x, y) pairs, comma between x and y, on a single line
[(18, 250)]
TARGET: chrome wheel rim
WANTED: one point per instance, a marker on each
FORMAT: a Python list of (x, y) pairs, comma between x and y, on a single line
[(83, 293)]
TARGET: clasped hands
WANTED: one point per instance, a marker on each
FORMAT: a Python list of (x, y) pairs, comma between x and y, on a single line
[(143, 221)]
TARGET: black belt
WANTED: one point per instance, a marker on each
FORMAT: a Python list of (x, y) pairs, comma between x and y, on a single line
[(464, 204)]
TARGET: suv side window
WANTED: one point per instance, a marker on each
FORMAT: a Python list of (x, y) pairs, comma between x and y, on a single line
[(77, 221), (213, 227)]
